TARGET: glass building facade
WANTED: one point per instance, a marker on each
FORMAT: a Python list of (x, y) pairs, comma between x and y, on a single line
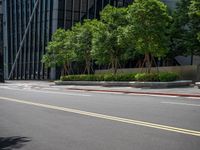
[(49, 16), (1, 42)]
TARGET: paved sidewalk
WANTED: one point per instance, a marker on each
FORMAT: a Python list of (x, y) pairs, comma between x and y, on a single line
[(186, 91), (46, 85)]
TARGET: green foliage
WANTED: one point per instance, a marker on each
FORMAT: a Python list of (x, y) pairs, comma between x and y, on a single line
[(150, 21), (110, 42), (162, 76), (103, 77), (198, 36), (194, 14), (147, 77), (168, 76), (59, 50), (54, 48), (185, 28), (83, 35)]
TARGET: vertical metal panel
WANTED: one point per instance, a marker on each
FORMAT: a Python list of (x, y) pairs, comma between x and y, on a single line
[(15, 37), (25, 43), (44, 13), (38, 41), (20, 37), (5, 37)]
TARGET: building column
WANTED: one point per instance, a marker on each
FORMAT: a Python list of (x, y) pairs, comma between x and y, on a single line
[(54, 28)]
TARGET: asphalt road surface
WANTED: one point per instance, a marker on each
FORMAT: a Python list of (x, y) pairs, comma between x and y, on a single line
[(71, 120)]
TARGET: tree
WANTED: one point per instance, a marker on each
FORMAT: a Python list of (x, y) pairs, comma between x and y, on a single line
[(110, 41), (83, 35), (194, 14), (150, 21), (59, 50), (185, 26)]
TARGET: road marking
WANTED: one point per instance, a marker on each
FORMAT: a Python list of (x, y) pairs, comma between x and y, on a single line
[(107, 117), (194, 97), (48, 92), (186, 104)]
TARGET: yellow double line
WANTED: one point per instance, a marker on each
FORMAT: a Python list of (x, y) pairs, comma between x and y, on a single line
[(107, 117)]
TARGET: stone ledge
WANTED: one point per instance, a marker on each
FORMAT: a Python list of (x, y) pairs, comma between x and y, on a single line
[(136, 84), (198, 84)]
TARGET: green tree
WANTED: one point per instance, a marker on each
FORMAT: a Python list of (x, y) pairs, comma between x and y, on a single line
[(110, 42), (150, 21), (83, 35), (194, 14), (184, 29), (60, 51)]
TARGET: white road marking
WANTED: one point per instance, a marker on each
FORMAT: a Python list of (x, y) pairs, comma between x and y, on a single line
[(186, 104)]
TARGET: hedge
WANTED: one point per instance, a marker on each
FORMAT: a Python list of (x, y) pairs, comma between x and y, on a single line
[(162, 76), (103, 77)]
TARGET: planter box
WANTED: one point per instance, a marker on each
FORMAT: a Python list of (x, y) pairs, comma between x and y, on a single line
[(136, 84), (198, 84), (171, 84)]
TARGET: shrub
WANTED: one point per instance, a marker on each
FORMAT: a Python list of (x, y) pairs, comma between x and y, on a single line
[(104, 77), (162, 76), (168, 76), (147, 77)]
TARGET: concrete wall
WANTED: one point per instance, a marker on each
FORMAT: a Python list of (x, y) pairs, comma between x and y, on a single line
[(185, 72)]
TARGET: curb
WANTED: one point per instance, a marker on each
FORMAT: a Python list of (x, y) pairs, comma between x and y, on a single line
[(137, 84), (130, 92), (197, 84)]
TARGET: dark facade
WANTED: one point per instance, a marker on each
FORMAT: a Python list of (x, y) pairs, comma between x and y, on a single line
[(1, 42), (49, 15)]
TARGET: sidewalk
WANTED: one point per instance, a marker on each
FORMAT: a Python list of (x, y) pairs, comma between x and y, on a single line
[(45, 85), (184, 92)]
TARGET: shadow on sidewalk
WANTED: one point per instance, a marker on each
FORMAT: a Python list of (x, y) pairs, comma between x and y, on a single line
[(15, 142)]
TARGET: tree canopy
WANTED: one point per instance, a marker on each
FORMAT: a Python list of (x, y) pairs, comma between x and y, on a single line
[(185, 28), (60, 50), (150, 21), (110, 42)]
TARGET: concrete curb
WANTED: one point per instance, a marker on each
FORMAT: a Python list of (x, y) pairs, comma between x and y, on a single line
[(132, 92), (197, 84), (180, 83)]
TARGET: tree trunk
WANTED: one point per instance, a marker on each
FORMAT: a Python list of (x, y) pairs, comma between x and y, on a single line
[(65, 69), (114, 65), (148, 62), (88, 66)]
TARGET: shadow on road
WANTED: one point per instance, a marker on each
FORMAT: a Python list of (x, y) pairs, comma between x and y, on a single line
[(15, 142)]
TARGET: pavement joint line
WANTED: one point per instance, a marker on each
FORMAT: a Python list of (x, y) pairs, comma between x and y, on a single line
[(185, 104), (194, 97), (140, 93), (49, 92), (107, 117)]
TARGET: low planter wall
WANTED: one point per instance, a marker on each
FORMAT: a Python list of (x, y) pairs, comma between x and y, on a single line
[(136, 84), (198, 84)]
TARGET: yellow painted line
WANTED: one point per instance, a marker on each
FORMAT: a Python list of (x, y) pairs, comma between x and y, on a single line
[(107, 117)]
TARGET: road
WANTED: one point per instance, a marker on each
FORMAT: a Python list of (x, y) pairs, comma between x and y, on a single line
[(39, 119)]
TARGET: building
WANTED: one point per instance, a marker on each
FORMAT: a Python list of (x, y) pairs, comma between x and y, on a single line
[(48, 16), (1, 42)]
